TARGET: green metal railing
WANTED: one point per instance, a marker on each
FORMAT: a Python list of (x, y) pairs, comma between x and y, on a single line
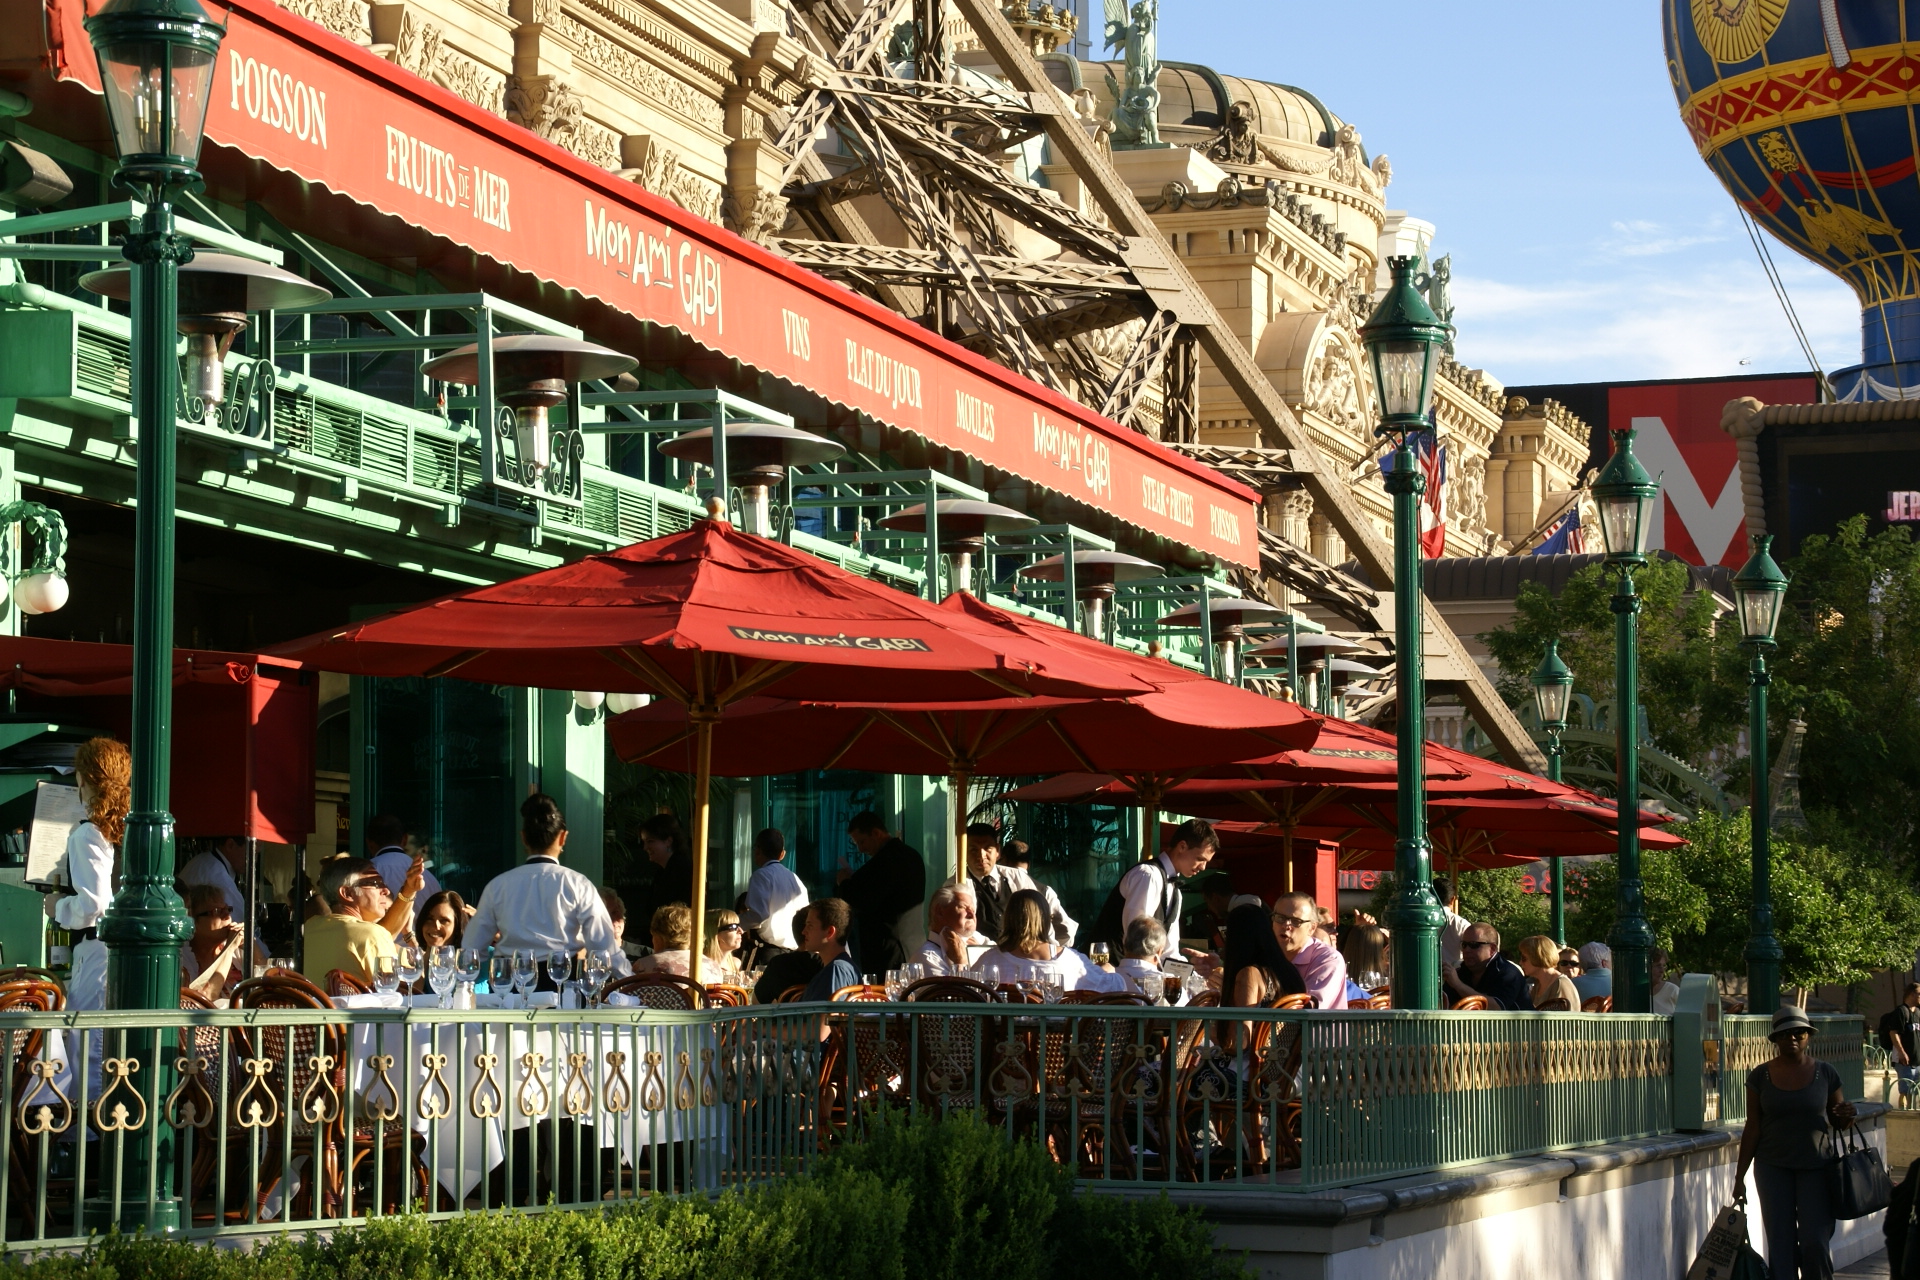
[(1837, 1038), (275, 1119)]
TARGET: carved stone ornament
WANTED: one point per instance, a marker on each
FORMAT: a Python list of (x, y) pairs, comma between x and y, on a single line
[(1334, 383), (1236, 143), (638, 76), (345, 18), (421, 48), (546, 105), (1349, 167), (1086, 110), (755, 215)]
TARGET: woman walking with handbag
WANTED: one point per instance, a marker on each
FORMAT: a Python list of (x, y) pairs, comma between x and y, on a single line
[(1793, 1104)]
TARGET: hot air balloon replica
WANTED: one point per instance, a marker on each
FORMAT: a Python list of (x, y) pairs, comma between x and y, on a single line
[(1804, 109)]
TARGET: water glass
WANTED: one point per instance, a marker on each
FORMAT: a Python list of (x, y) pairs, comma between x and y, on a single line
[(523, 971), (559, 969), (500, 972), (469, 965), (598, 967), (442, 972), (407, 964), (386, 978)]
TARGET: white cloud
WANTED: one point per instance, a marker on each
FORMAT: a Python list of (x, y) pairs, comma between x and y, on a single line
[(1640, 322), (1644, 239)]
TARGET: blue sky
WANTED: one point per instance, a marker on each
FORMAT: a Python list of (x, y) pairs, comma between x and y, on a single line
[(1589, 241)]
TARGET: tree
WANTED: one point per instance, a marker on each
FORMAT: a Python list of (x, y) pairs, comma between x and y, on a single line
[(1496, 897)]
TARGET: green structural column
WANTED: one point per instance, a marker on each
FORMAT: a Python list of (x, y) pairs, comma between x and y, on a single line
[(1557, 895), (1632, 937), (1758, 591), (1414, 915)]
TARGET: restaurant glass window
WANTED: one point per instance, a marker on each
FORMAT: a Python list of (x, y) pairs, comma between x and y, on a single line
[(812, 810), (441, 759)]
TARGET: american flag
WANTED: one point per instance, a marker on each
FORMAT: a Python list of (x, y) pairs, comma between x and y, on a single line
[(1431, 456), (1566, 538)]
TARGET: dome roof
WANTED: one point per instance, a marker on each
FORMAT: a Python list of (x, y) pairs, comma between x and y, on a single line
[(1194, 102)]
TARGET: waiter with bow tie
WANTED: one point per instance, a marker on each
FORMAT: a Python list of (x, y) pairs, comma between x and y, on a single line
[(994, 886)]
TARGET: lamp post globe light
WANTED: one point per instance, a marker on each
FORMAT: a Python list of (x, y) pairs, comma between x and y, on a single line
[(1403, 340), (1626, 494), (1552, 694), (1758, 590), (156, 68)]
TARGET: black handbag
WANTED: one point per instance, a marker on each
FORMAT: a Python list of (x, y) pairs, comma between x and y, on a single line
[(1860, 1182)]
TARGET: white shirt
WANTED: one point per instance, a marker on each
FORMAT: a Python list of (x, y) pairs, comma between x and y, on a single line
[(1666, 997), (774, 896), (393, 862), (675, 962), (1143, 892), (939, 964), (543, 906), (1451, 935), (211, 868), (88, 867), (1016, 879), (1070, 969)]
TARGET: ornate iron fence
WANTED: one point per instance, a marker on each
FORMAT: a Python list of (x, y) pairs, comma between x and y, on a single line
[(1837, 1038), (248, 1121)]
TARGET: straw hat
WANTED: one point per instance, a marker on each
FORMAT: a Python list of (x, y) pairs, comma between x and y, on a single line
[(1789, 1018)]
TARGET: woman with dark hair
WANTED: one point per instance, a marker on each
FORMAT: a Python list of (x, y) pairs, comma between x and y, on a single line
[(541, 907), (1255, 971), (442, 921), (1794, 1104)]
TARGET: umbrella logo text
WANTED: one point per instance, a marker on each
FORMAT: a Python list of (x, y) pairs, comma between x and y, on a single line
[(888, 644)]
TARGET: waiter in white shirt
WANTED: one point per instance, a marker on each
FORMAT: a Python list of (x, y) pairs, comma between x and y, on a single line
[(220, 866), (995, 884), (102, 769), (387, 849), (541, 906), (774, 894), (1148, 889)]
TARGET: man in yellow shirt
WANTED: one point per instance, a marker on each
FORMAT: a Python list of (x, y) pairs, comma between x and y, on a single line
[(361, 920)]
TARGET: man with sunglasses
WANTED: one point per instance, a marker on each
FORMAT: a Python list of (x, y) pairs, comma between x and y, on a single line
[(1483, 971), (361, 919), (1296, 924)]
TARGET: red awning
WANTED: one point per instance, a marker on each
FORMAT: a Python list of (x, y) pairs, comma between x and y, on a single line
[(307, 103), (243, 727)]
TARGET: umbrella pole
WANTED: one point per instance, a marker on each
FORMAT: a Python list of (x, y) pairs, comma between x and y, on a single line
[(702, 789), (961, 786), (1150, 793), (1289, 839)]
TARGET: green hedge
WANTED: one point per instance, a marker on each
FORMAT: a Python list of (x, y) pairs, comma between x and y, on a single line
[(953, 1200)]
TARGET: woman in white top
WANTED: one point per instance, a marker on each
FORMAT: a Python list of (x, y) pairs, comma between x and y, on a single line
[(725, 933), (1025, 952), (103, 771)]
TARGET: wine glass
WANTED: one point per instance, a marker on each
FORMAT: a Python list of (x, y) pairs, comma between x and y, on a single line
[(468, 965), (500, 972), (442, 972), (559, 969), (1100, 952), (598, 966), (523, 971), (386, 977), (407, 964)]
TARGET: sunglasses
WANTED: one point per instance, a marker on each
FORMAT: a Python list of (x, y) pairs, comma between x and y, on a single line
[(732, 928), (1290, 921), (381, 885), (1476, 946)]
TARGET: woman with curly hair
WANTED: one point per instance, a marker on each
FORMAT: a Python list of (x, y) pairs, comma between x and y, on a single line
[(103, 770)]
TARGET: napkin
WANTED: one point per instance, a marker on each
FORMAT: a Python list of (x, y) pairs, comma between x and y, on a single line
[(543, 1000), (369, 1000), (425, 1000), (487, 1000), (621, 1000)]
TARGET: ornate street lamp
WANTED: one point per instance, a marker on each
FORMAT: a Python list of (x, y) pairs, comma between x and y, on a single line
[(1403, 340), (156, 68), (1758, 590), (1552, 693), (1626, 494)]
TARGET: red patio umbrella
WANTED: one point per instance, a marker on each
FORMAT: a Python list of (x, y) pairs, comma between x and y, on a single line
[(709, 617), (1197, 721)]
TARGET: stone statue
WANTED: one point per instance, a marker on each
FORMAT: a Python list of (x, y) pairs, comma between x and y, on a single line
[(1136, 112), (1236, 143), (1434, 282)]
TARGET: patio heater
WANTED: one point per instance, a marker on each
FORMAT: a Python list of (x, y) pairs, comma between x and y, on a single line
[(1404, 338), (959, 527), (1552, 694), (1092, 578), (1626, 494), (1759, 589), (531, 373), (1292, 645), (1341, 673), (757, 456), (1225, 623), (156, 69), (217, 291)]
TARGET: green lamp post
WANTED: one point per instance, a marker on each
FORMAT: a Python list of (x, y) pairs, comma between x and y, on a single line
[(156, 68), (1626, 494), (1552, 693), (1758, 590), (1403, 339)]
